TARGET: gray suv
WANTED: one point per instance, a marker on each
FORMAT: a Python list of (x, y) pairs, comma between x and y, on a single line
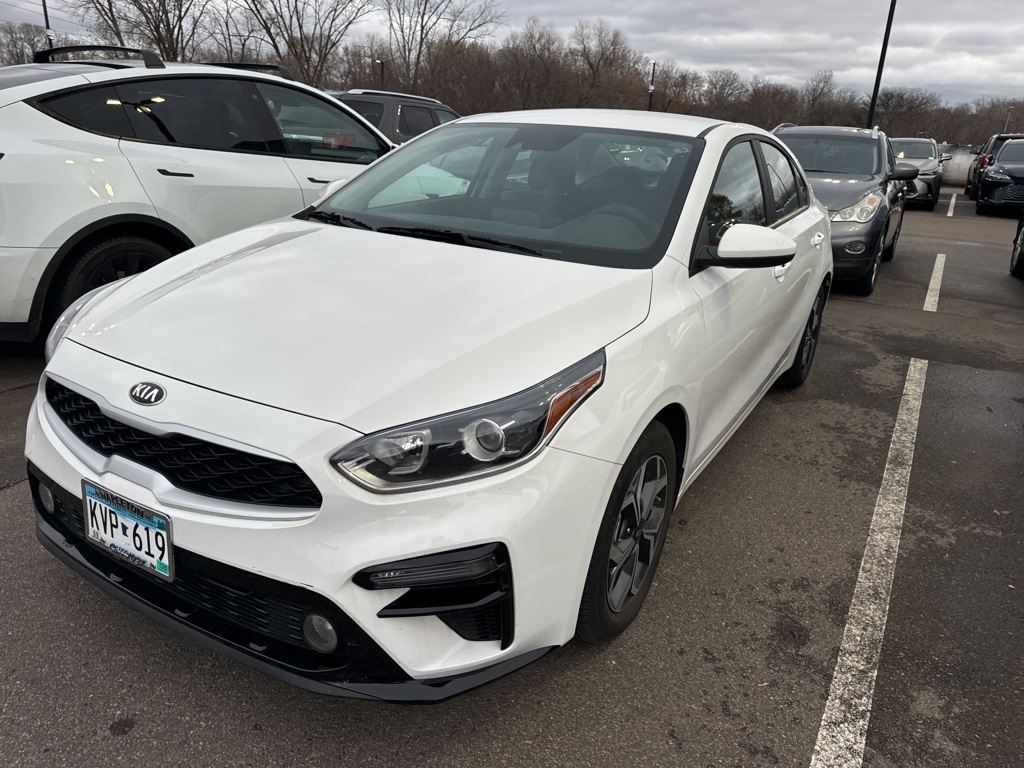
[(399, 116)]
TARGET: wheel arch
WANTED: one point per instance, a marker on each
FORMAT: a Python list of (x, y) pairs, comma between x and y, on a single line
[(123, 225), (673, 417)]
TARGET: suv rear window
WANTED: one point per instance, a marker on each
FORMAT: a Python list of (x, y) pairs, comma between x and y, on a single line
[(94, 109), (371, 110)]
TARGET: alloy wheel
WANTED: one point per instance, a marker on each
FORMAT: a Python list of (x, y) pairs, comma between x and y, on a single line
[(810, 341), (634, 542)]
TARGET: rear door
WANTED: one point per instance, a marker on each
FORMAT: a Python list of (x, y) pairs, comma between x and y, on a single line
[(790, 212), (201, 157), (319, 140)]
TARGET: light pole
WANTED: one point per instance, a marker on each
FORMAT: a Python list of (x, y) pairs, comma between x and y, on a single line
[(650, 88), (1006, 125), (46, 22), (881, 65), (381, 62)]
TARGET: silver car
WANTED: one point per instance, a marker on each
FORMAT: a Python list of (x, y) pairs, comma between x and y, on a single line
[(924, 155)]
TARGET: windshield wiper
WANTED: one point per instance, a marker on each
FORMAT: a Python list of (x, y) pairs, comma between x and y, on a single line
[(459, 238), (338, 219)]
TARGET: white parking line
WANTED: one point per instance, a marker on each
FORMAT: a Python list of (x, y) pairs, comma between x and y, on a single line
[(931, 301), (844, 725), (952, 204)]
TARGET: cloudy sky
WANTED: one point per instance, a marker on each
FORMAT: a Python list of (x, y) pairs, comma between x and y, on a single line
[(962, 49)]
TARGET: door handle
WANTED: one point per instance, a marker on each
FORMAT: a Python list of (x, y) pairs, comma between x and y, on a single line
[(780, 272), (165, 172), (818, 239), (318, 181)]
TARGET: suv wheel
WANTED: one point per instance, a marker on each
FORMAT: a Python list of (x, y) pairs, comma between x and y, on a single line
[(889, 252), (865, 285), (1016, 260), (106, 262)]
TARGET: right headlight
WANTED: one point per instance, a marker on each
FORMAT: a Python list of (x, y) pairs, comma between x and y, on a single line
[(67, 319), (471, 443), (862, 211)]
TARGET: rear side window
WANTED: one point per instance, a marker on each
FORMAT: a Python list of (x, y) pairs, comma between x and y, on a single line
[(412, 121), (201, 112), (444, 116), (94, 109), (785, 190), (371, 110), (316, 129)]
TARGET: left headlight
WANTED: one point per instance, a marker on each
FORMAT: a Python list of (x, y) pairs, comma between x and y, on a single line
[(67, 319), (995, 173), (472, 443), (862, 211)]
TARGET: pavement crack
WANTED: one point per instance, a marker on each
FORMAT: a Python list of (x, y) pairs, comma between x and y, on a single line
[(12, 484), (20, 386)]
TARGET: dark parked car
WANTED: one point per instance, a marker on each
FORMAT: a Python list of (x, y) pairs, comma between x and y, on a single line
[(399, 116), (1001, 184), (1016, 260), (924, 155), (985, 156), (854, 172)]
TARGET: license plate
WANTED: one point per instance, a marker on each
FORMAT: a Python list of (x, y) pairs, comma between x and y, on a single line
[(128, 530)]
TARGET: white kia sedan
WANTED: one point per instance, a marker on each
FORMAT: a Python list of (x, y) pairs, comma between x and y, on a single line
[(434, 425)]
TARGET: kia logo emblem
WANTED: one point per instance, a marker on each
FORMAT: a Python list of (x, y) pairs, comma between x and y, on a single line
[(147, 393)]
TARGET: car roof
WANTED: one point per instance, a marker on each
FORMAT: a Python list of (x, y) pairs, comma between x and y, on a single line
[(615, 119), (826, 130), (914, 138), (385, 94)]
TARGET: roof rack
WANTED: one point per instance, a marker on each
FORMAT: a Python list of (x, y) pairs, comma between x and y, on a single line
[(151, 60), (373, 92), (270, 69), (783, 125)]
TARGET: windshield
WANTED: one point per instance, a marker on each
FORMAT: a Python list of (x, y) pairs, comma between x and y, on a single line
[(848, 155), (913, 150), (1012, 152), (590, 195)]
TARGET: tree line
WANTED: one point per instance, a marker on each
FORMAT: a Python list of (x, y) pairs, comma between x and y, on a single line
[(450, 50)]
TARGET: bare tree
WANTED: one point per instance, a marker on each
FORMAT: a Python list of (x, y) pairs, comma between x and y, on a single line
[(610, 72), (19, 41), (724, 94), (305, 34), (414, 26), (173, 28)]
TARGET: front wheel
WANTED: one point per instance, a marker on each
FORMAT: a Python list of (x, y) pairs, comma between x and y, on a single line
[(888, 253), (865, 285), (106, 262), (1016, 260), (630, 539), (798, 372)]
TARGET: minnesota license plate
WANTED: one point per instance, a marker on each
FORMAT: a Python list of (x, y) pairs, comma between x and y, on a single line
[(128, 530)]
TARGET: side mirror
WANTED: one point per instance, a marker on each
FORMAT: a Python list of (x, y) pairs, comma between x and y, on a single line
[(904, 172), (945, 157), (747, 246), (334, 186)]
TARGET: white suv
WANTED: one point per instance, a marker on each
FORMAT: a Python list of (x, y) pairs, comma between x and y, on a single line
[(112, 166)]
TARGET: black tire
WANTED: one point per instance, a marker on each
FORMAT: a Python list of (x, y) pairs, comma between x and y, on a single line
[(797, 373), (1016, 259), (865, 285), (104, 263), (930, 205), (890, 252), (981, 209), (972, 193), (613, 594)]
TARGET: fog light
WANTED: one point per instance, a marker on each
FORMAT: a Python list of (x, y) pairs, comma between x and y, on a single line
[(319, 633), (46, 496), (857, 247)]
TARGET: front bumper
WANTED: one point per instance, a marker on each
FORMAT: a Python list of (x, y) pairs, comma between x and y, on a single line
[(854, 246), (1001, 193), (926, 188), (544, 514)]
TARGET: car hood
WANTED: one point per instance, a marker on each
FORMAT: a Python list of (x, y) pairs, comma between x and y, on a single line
[(837, 190), (1016, 170), (360, 328)]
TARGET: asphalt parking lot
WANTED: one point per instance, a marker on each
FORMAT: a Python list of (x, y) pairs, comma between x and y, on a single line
[(731, 662)]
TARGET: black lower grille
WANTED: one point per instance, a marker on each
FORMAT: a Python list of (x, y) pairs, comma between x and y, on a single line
[(483, 623), (193, 465), (1014, 193), (258, 614)]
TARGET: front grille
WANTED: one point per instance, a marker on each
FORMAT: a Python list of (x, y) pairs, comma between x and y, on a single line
[(1014, 193), (484, 623), (188, 463), (255, 613)]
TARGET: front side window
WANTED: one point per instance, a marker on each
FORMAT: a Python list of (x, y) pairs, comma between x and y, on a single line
[(848, 155), (94, 109), (200, 112), (737, 197), (318, 130), (572, 193), (785, 190)]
